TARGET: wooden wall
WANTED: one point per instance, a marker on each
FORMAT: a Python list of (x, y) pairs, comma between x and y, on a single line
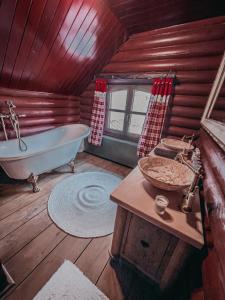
[(55, 45), (192, 50), (39, 111), (213, 268)]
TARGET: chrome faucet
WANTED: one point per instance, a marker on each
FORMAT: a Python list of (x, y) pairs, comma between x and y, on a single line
[(196, 168), (11, 107), (181, 158), (13, 117)]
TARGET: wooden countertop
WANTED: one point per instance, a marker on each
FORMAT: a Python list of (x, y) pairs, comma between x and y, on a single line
[(137, 195)]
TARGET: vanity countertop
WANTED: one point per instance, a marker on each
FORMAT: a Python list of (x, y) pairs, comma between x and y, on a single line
[(137, 195)]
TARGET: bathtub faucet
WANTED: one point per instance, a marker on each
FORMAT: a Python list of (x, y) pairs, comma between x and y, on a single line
[(13, 117), (11, 107)]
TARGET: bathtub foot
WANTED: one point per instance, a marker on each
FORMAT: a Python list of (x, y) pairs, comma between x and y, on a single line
[(72, 165), (33, 180)]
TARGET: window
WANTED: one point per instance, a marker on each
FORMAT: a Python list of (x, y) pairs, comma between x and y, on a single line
[(126, 109)]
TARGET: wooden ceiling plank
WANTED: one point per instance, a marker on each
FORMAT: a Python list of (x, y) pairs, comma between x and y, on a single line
[(52, 53), (98, 49), (82, 11), (46, 20), (7, 12), (140, 15), (70, 59), (90, 69), (53, 32), (85, 51), (16, 36), (29, 35)]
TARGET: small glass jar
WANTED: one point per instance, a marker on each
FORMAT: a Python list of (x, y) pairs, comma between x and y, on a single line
[(161, 203)]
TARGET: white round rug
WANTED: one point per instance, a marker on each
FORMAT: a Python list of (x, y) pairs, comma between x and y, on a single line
[(80, 204)]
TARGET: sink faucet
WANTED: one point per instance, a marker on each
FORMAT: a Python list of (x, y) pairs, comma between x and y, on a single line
[(186, 205), (181, 158)]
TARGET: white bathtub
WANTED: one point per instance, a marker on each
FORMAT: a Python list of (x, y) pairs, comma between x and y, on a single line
[(45, 151)]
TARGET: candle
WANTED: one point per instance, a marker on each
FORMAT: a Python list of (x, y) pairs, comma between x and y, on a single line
[(161, 203)]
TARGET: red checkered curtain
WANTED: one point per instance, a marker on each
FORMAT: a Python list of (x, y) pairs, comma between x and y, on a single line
[(154, 120), (98, 113)]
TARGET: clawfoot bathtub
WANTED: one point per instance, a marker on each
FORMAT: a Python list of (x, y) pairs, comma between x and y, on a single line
[(45, 151)]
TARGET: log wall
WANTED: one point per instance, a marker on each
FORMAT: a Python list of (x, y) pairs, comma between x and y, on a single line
[(193, 51), (213, 268), (39, 111)]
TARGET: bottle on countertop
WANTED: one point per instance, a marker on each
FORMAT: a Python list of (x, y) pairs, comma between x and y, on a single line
[(189, 199)]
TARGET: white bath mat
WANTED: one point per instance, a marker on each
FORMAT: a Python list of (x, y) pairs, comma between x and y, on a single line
[(80, 204), (69, 283)]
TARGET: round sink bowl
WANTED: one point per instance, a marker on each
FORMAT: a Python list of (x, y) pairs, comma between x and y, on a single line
[(176, 145), (165, 174)]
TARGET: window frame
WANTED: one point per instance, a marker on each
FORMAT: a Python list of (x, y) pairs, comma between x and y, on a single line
[(215, 128), (123, 134)]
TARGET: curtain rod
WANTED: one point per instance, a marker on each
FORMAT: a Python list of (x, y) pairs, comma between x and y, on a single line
[(133, 79), (140, 76)]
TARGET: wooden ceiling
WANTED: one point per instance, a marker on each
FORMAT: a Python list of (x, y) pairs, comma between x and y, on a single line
[(55, 45), (142, 15)]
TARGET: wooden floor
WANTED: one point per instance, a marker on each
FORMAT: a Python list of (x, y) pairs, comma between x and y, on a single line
[(32, 247)]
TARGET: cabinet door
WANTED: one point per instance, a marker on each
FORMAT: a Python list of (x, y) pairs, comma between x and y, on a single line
[(146, 245)]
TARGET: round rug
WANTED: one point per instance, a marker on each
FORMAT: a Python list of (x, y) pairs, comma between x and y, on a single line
[(81, 206)]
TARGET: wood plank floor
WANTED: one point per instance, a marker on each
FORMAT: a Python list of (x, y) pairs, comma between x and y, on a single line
[(32, 247)]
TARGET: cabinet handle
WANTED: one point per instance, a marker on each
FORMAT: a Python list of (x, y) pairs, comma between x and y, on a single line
[(144, 244)]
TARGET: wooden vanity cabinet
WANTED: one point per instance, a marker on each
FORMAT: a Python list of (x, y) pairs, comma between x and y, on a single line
[(145, 246), (151, 250), (158, 246)]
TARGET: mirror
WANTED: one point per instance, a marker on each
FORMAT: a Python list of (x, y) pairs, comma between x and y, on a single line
[(213, 119)]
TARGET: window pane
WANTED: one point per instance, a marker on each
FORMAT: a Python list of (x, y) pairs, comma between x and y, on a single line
[(118, 99), (116, 120), (140, 101), (136, 124)]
